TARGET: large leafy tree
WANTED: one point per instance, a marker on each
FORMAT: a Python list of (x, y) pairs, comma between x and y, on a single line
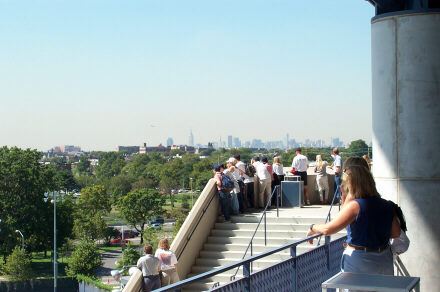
[(136, 167), (139, 206), (92, 205), (110, 164), (23, 182), (83, 165), (119, 186), (357, 148), (64, 180)]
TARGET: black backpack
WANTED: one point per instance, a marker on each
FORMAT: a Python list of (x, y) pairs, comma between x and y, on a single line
[(250, 170)]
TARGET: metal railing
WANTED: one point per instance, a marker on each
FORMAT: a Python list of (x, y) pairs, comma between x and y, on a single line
[(328, 218), (277, 191), (323, 260)]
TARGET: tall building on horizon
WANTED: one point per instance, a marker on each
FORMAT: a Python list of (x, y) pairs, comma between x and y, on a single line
[(191, 139), (229, 141), (237, 142), (170, 142)]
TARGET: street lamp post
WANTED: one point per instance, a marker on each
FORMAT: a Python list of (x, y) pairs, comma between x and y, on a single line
[(55, 261), (22, 238), (192, 194)]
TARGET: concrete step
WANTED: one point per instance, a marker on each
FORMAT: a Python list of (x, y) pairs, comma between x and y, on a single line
[(223, 262), (257, 248), (197, 270), (206, 286), (259, 233), (249, 218), (221, 278), (256, 241), (269, 226), (238, 255)]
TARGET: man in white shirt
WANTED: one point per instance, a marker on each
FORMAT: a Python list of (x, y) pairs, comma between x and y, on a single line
[(300, 164), (337, 167), (150, 266), (265, 182)]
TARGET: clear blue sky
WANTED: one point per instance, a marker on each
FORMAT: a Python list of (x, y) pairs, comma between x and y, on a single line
[(100, 73)]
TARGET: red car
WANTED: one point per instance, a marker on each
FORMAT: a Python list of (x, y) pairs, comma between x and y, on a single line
[(117, 240)]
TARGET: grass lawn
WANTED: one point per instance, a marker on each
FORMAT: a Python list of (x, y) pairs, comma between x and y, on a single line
[(43, 266)]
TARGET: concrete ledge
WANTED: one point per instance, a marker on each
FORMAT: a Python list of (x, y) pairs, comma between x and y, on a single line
[(190, 239)]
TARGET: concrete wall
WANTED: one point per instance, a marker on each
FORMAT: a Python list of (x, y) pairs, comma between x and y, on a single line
[(195, 242), (406, 128)]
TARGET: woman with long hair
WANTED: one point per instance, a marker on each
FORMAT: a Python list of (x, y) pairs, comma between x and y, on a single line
[(169, 262), (278, 176), (370, 222), (322, 179)]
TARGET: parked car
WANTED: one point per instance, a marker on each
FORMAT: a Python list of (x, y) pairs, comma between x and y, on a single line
[(117, 240), (130, 234), (156, 226), (157, 220)]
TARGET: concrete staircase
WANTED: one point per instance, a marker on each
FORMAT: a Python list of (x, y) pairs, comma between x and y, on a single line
[(228, 241)]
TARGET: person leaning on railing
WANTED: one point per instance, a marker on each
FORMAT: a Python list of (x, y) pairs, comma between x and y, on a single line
[(168, 262), (370, 222), (150, 267), (224, 195)]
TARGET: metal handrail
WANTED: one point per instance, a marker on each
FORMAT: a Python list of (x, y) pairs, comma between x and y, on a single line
[(328, 218), (188, 238), (277, 190), (243, 262)]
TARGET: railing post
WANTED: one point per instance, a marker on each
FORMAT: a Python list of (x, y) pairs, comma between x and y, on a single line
[(278, 199), (293, 275), (247, 276), (327, 251), (251, 255), (265, 241)]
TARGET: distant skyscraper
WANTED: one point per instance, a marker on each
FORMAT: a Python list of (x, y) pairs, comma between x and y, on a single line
[(336, 142), (191, 139), (237, 142), (170, 142), (287, 141), (229, 141)]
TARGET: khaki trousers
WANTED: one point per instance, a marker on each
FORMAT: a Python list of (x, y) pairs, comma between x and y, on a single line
[(264, 194), (169, 277)]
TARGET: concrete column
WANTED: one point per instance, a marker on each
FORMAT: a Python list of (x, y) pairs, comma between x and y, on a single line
[(406, 130)]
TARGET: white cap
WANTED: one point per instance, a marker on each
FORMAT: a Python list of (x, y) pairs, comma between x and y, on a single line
[(231, 160)]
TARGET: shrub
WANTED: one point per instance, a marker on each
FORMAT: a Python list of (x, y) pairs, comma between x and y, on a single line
[(130, 256), (185, 203), (18, 265), (85, 260)]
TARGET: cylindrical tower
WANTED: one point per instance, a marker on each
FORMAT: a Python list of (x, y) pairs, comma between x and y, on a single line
[(406, 129)]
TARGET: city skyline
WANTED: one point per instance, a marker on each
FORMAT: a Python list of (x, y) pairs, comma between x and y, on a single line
[(99, 74), (232, 142)]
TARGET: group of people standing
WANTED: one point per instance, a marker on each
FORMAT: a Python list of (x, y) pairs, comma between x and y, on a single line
[(240, 194), (158, 270), (300, 164)]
